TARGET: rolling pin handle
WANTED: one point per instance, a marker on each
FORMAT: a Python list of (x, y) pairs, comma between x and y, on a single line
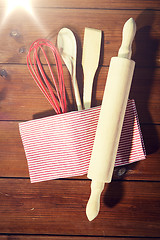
[(129, 31), (93, 204)]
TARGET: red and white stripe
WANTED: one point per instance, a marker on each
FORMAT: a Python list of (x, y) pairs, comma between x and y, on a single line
[(60, 146)]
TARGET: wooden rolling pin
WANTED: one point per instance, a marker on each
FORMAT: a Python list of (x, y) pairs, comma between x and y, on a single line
[(111, 119)]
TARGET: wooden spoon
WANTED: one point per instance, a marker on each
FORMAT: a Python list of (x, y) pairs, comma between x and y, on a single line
[(68, 49)]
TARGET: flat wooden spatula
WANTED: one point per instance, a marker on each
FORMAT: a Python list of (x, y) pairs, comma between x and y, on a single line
[(90, 61)]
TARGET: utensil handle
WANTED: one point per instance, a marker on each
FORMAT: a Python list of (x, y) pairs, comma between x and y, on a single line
[(76, 93), (93, 204), (129, 31), (87, 90)]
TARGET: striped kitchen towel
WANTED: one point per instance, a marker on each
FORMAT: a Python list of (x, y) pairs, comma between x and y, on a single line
[(60, 146)]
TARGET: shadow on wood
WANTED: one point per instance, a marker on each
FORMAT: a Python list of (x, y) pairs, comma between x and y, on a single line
[(113, 194), (146, 48)]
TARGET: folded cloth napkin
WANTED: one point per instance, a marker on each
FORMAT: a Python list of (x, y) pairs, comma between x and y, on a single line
[(60, 146)]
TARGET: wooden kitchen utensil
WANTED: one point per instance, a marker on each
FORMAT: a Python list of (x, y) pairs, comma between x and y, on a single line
[(111, 119), (52, 88), (68, 49), (90, 61)]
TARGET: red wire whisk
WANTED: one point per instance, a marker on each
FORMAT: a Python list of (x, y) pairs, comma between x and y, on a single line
[(52, 88)]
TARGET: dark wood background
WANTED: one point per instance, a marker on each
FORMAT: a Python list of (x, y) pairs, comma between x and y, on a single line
[(54, 210)]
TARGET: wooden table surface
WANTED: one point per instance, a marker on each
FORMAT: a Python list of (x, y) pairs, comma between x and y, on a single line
[(54, 210)]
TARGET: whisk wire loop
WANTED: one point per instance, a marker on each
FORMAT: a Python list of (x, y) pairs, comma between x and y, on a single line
[(36, 70)]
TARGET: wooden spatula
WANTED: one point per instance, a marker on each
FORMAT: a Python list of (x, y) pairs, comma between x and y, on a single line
[(90, 61)]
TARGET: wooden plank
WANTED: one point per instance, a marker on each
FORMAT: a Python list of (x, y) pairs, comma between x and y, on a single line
[(20, 29), (13, 162), (21, 99), (12, 157), (145, 91), (144, 4), (45, 237), (58, 207)]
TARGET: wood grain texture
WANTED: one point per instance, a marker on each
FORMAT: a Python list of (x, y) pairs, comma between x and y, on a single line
[(13, 162), (21, 99), (55, 210), (45, 237), (134, 4), (20, 29), (52, 207)]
